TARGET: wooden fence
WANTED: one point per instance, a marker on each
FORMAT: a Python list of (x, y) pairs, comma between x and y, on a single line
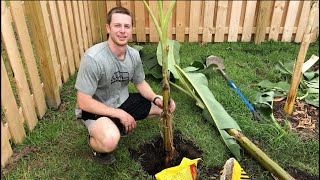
[(60, 31)]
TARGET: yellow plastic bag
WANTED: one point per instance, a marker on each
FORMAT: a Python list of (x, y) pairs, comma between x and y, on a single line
[(185, 171)]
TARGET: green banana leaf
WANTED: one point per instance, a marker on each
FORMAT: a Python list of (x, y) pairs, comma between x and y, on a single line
[(264, 105), (213, 110), (285, 67), (173, 56)]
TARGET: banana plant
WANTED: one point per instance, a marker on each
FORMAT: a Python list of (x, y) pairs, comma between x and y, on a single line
[(166, 115), (195, 85), (193, 82)]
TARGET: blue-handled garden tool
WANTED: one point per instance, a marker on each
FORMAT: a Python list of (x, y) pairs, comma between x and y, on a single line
[(219, 62)]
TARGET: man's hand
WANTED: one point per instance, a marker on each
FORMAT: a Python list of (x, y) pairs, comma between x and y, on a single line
[(159, 103), (127, 120)]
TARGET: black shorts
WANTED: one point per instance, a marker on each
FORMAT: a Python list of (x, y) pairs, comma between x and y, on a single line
[(136, 105)]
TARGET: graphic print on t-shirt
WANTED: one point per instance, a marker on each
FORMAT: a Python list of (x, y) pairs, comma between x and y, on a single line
[(119, 77)]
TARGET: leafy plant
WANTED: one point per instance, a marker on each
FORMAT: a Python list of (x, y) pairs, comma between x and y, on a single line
[(166, 60), (308, 89)]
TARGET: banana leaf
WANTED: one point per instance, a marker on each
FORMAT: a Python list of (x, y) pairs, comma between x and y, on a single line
[(173, 56), (213, 110)]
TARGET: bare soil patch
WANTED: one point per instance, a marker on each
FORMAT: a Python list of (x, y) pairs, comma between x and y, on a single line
[(304, 119)]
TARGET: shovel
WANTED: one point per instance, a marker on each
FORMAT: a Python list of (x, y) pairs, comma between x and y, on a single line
[(219, 62)]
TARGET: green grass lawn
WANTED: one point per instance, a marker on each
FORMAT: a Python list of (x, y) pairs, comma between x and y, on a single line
[(57, 148)]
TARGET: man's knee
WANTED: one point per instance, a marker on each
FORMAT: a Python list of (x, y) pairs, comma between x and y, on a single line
[(105, 134)]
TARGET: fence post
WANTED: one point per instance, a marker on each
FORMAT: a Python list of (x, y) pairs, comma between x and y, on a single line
[(262, 20), (41, 43)]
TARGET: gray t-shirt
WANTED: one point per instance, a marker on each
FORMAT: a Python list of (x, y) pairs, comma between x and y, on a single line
[(105, 77)]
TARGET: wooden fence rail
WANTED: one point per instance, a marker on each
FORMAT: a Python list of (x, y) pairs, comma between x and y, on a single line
[(59, 32)]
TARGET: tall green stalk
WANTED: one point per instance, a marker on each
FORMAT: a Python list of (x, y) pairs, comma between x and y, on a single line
[(166, 115)]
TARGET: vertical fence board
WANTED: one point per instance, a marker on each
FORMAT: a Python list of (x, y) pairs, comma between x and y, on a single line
[(208, 21), (262, 21), (221, 21), (43, 41), (290, 20), (83, 25), (87, 22), (71, 25), (234, 21), (102, 11), (10, 108), (78, 28), (95, 22), (140, 21), (10, 44), (66, 36), (248, 21), (276, 20), (180, 21), (63, 59), (128, 5), (29, 59), (50, 35), (153, 35), (194, 21), (110, 5), (6, 150), (303, 20), (315, 27), (166, 6)]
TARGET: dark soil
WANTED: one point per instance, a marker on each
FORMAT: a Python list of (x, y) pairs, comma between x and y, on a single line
[(151, 156), (304, 119)]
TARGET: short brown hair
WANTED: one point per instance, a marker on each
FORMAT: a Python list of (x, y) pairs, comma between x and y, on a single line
[(118, 9)]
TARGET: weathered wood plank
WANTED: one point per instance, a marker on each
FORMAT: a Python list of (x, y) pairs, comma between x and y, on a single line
[(194, 21), (276, 20), (290, 20), (29, 59), (248, 21), (221, 21), (234, 21), (140, 21), (6, 150), (303, 20), (315, 26), (83, 25), (95, 23), (262, 21), (154, 36), (10, 108), (71, 24), (63, 59), (21, 84), (87, 22), (208, 21), (78, 28), (180, 21), (38, 17), (66, 36)]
